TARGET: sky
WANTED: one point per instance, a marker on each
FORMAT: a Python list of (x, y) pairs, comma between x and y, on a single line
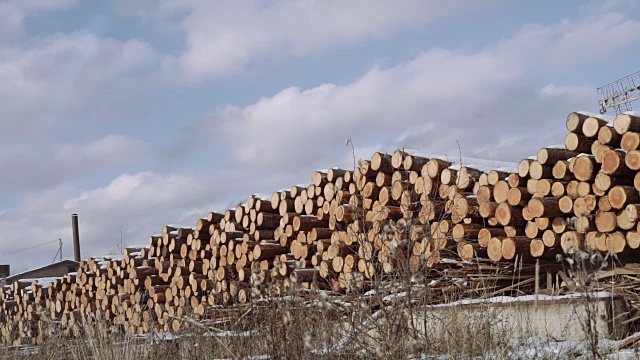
[(136, 114)]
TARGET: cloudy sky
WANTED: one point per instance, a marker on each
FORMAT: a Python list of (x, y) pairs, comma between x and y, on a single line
[(135, 114)]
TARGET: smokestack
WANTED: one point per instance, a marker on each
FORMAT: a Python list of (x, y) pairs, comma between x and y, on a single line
[(76, 236)]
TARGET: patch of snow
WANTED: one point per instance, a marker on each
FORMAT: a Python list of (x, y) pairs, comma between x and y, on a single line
[(526, 298)]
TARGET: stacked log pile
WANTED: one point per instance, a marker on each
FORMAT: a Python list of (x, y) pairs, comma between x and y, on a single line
[(395, 214)]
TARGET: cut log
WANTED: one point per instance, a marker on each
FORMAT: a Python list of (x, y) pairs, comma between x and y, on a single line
[(561, 171), (623, 222), (598, 150), (558, 189), (516, 180), (544, 187), (414, 163), (613, 163), (538, 171), (509, 215), (518, 196), (448, 176), (632, 160), (501, 192), (531, 230), (624, 122), (591, 126), (585, 168), (466, 231), (633, 239), (550, 238), (606, 221), (578, 143), (536, 248), (616, 242), (467, 178), (565, 204), (621, 196), (544, 207), (434, 167), (485, 235), (488, 209), (397, 159), (607, 135), (494, 176), (523, 168), (630, 141), (512, 246), (575, 122), (550, 156), (382, 163), (494, 249)]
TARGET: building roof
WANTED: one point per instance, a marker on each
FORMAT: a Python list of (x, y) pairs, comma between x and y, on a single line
[(57, 269)]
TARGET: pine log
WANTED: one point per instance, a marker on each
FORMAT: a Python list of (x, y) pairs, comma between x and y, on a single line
[(613, 163), (550, 238), (536, 248), (494, 249), (494, 176), (544, 187), (561, 171), (578, 143), (509, 215), (518, 196), (632, 160), (606, 221), (382, 163), (558, 189), (414, 163), (523, 167), (434, 167), (538, 171), (591, 126), (550, 156), (624, 122), (575, 122), (633, 239), (565, 204), (616, 242), (585, 168), (607, 135), (621, 196), (485, 234), (630, 141), (515, 180), (544, 207), (512, 246), (501, 191)]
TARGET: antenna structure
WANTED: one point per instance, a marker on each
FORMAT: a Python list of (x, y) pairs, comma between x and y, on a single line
[(620, 93)]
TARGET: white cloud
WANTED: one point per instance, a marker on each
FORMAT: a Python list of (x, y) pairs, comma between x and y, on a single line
[(48, 80), (35, 167), (223, 37), (432, 102)]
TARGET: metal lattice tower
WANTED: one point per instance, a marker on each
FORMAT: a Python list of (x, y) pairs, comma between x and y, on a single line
[(620, 93)]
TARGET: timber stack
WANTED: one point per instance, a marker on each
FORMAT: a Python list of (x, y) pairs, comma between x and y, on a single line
[(395, 214)]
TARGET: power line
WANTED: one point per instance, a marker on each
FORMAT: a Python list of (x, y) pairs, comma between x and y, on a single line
[(29, 248)]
